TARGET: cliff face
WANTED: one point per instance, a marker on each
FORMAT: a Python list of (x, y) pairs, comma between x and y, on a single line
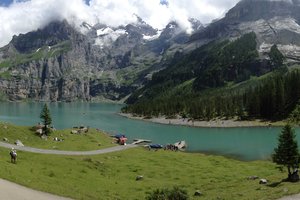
[(41, 65), (44, 80)]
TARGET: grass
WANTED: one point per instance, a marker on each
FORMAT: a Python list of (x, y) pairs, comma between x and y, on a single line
[(92, 140), (112, 176)]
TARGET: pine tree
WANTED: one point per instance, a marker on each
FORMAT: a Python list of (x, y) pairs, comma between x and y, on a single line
[(276, 56), (286, 153), (279, 98), (46, 118), (294, 116)]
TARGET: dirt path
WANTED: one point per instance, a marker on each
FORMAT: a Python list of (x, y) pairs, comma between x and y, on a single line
[(12, 191), (74, 153), (292, 197)]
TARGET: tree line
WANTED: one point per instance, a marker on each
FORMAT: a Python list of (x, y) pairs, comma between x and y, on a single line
[(272, 98)]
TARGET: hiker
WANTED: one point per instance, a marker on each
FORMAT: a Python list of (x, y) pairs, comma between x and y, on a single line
[(13, 155)]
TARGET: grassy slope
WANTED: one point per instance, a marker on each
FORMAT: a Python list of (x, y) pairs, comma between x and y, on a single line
[(91, 141), (112, 176), (42, 53)]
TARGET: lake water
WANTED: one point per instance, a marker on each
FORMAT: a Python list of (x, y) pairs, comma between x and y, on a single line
[(241, 143)]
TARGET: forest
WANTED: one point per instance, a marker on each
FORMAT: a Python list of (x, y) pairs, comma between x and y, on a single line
[(221, 80)]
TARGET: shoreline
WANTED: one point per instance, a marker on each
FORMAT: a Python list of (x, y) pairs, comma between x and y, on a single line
[(218, 123)]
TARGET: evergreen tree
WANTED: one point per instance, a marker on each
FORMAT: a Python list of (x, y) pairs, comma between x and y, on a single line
[(294, 117), (286, 153), (279, 97), (46, 119), (276, 56)]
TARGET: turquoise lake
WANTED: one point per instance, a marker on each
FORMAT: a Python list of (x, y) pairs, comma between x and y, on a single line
[(241, 143)]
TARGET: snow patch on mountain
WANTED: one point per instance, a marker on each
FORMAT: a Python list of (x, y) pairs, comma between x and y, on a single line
[(152, 37), (106, 36), (110, 31)]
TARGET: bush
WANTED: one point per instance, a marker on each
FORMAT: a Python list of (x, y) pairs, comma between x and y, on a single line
[(166, 194)]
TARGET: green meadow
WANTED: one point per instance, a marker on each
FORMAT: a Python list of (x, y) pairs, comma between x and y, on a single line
[(113, 175), (94, 139)]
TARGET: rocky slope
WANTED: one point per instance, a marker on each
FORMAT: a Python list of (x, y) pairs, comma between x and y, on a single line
[(59, 63), (274, 22)]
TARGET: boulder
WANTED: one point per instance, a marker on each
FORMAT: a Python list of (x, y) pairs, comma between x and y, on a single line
[(39, 131), (74, 132), (197, 193), (263, 181), (138, 178), (19, 143), (5, 139)]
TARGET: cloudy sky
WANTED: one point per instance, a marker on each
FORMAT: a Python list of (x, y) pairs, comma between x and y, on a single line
[(22, 16)]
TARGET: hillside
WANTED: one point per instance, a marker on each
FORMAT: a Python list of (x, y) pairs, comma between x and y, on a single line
[(221, 86), (254, 45)]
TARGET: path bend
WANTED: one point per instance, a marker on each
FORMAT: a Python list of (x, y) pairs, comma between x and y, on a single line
[(70, 153)]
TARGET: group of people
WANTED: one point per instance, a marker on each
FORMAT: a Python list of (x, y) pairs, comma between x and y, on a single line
[(171, 147)]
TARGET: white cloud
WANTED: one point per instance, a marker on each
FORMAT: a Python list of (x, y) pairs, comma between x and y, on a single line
[(25, 16)]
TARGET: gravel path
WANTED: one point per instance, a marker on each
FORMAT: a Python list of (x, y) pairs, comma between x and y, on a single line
[(74, 153), (292, 197), (12, 191)]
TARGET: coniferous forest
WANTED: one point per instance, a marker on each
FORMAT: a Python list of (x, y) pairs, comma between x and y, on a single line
[(221, 80)]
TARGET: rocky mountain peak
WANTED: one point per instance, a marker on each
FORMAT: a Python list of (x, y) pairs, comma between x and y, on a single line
[(196, 24), (52, 34), (173, 29), (250, 10)]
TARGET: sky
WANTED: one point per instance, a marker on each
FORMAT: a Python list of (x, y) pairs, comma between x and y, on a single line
[(22, 16)]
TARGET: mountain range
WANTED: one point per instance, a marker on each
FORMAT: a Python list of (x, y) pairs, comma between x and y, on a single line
[(61, 63)]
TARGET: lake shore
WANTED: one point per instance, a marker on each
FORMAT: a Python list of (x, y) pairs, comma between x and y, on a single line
[(217, 123)]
